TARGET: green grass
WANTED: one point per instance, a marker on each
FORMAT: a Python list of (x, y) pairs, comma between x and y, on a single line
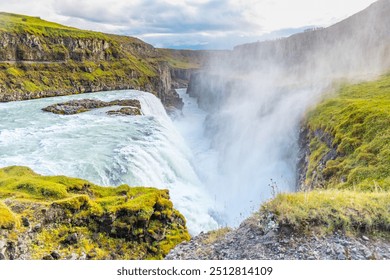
[(357, 119), (14, 72), (7, 218), (138, 219), (15, 23), (183, 59), (120, 66), (65, 77), (215, 235), (350, 192), (331, 210)]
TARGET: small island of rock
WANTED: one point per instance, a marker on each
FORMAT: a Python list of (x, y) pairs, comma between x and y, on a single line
[(132, 107)]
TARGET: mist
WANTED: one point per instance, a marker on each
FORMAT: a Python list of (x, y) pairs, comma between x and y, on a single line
[(256, 98)]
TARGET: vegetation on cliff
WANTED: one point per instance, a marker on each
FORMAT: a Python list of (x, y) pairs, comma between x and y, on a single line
[(40, 58), (347, 165), (357, 122), (46, 217)]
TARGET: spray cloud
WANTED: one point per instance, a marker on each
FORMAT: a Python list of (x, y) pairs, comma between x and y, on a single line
[(257, 95)]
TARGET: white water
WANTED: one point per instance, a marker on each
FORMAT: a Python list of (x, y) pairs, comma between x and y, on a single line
[(191, 125), (110, 150), (250, 146)]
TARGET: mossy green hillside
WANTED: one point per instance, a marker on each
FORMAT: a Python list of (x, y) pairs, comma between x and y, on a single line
[(35, 25), (347, 180), (184, 59), (41, 58), (357, 127), (35, 80), (110, 222)]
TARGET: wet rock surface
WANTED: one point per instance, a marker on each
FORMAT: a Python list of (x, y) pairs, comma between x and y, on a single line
[(133, 107)]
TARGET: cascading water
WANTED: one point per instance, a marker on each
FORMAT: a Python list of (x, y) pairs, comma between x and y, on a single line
[(108, 150), (251, 148), (216, 176)]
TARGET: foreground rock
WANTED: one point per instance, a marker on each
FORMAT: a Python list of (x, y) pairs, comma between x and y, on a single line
[(133, 107), (258, 239), (56, 217)]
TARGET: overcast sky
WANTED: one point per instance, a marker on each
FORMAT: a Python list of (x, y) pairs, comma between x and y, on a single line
[(197, 24)]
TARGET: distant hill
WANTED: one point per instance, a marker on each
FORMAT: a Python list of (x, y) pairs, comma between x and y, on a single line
[(360, 43)]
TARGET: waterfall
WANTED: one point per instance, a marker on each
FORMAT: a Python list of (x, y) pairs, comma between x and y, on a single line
[(108, 150)]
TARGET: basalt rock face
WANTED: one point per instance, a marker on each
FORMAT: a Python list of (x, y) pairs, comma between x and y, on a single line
[(30, 47), (181, 77), (165, 83), (44, 59), (317, 177), (212, 89)]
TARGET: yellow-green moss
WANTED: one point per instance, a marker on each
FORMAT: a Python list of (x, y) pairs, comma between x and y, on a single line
[(216, 235), (8, 219), (358, 120), (67, 76), (183, 59), (36, 26), (14, 72), (331, 210), (121, 222)]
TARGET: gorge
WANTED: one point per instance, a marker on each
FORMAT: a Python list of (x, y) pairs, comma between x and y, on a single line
[(253, 128)]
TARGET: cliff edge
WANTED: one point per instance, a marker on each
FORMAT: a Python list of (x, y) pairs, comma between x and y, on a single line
[(57, 217)]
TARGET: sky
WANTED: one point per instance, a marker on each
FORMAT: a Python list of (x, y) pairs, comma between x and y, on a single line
[(192, 24)]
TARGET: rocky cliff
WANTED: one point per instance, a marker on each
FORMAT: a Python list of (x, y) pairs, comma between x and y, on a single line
[(40, 59)]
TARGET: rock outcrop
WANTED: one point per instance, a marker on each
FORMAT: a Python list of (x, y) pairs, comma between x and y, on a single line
[(133, 106), (56, 217), (125, 111)]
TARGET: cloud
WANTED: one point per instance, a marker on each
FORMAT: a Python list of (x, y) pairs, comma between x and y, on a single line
[(157, 16), (190, 22)]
